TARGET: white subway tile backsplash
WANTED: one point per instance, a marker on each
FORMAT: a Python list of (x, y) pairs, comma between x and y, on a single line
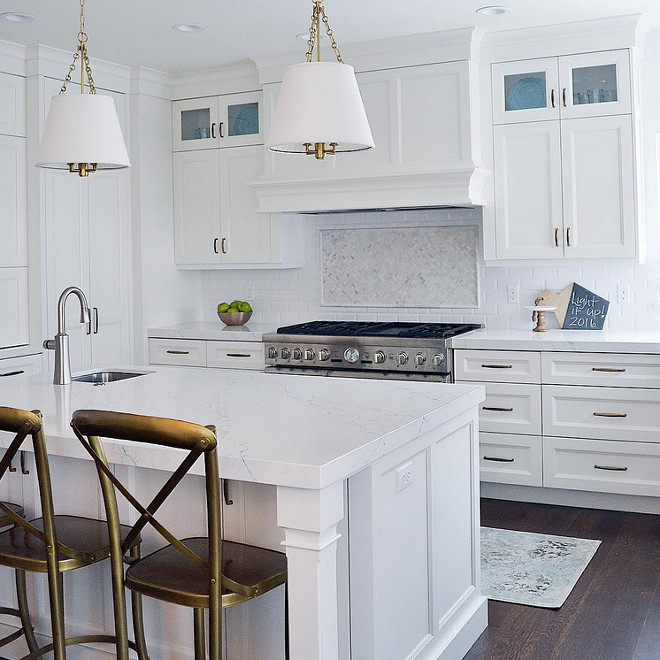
[(294, 295)]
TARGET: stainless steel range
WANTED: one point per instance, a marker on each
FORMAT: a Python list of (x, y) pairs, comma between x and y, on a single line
[(365, 349)]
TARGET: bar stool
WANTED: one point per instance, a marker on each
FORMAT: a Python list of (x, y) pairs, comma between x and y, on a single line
[(23, 612), (52, 544), (202, 572)]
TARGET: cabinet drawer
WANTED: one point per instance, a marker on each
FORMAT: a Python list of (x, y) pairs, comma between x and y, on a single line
[(500, 366), (605, 413), (511, 459), (19, 366), (511, 408), (631, 468), (236, 355), (186, 352), (605, 369)]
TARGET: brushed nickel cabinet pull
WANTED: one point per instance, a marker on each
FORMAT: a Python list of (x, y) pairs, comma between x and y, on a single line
[(173, 352), (497, 459), (611, 468), (213, 130), (608, 369), (223, 246), (220, 125), (497, 366), (96, 320), (552, 97), (568, 236), (215, 245), (563, 96), (556, 236), (600, 414), (240, 355), (12, 373), (497, 409)]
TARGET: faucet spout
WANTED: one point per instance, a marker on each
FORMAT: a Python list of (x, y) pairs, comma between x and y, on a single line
[(60, 344)]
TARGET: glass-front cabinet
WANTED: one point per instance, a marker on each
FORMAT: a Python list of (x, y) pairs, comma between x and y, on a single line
[(214, 122), (566, 87)]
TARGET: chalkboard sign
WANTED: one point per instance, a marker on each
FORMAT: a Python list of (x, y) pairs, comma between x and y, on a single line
[(585, 311)]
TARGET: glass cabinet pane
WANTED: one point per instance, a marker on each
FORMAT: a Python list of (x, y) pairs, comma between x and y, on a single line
[(243, 119), (525, 91), (595, 84), (195, 124)]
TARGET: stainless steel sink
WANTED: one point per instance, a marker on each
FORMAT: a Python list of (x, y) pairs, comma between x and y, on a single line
[(107, 376)]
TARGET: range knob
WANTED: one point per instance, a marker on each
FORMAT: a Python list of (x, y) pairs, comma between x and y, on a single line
[(297, 354), (420, 359), (324, 354), (379, 357), (402, 358), (309, 354), (438, 359), (351, 355), (272, 353), (285, 353)]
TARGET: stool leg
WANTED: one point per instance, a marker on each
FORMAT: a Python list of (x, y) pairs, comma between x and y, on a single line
[(26, 621), (200, 644), (56, 595), (138, 619)]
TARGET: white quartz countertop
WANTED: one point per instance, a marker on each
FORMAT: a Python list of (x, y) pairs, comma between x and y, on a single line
[(299, 431), (598, 341), (213, 330)]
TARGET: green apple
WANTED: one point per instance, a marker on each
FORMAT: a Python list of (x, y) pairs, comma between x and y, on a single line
[(245, 307), (233, 310), (223, 307)]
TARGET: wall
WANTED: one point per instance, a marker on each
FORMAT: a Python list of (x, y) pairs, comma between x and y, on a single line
[(292, 296)]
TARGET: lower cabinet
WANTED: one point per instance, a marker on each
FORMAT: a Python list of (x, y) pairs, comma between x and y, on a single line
[(19, 366), (207, 353), (14, 328), (583, 421)]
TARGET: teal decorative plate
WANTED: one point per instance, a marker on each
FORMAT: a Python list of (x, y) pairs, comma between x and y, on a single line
[(527, 94)]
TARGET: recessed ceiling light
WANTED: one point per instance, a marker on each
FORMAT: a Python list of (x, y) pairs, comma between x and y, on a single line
[(189, 27), (303, 36), (17, 17), (493, 10)]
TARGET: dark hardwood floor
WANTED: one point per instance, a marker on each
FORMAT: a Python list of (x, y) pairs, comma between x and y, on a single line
[(613, 612)]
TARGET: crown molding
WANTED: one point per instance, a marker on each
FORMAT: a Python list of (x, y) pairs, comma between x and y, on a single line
[(150, 82), (235, 77), (12, 58)]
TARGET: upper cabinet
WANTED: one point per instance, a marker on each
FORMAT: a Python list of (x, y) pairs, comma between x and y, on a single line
[(214, 122), (12, 105), (568, 87)]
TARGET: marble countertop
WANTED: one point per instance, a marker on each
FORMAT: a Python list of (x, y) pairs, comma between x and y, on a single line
[(19, 351), (309, 431), (214, 330), (599, 341)]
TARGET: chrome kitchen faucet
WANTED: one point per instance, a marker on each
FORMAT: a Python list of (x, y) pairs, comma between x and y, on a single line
[(60, 344)]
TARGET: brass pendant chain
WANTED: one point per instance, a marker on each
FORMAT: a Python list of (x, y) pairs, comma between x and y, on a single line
[(318, 15), (81, 53)]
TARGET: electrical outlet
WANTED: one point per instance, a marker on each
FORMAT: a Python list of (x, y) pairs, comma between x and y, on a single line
[(404, 477), (513, 294), (623, 294)]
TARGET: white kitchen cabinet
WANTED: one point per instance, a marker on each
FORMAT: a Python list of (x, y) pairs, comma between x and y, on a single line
[(507, 458), (87, 228), (14, 327), (207, 353), (565, 189), (182, 352), (12, 105), (571, 86), (511, 408), (19, 366), (213, 122), (13, 199), (215, 220)]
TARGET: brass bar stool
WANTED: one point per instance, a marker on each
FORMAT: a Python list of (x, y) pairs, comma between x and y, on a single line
[(202, 572), (23, 612), (52, 544)]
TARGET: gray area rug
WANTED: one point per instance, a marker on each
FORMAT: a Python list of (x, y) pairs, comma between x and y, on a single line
[(531, 569)]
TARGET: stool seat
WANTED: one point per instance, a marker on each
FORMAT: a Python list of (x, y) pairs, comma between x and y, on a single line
[(167, 575), (16, 508)]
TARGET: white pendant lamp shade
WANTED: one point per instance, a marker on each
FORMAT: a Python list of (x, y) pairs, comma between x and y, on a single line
[(319, 103), (82, 128)]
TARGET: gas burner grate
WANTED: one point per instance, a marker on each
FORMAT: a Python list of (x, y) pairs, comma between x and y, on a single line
[(378, 329)]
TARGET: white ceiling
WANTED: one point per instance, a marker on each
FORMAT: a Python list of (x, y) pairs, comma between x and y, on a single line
[(138, 32)]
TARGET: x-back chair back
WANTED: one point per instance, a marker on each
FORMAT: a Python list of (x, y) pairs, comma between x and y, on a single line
[(91, 425)]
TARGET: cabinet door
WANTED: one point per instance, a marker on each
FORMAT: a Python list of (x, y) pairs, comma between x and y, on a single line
[(240, 120), (21, 366), (525, 91), (12, 105), (14, 330), (599, 200), (246, 234), (13, 201), (595, 84), (197, 208), (195, 123), (528, 194)]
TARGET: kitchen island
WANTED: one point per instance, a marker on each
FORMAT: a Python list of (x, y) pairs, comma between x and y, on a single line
[(388, 466)]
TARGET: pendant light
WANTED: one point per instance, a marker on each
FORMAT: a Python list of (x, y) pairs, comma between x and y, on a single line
[(82, 132), (319, 110)]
